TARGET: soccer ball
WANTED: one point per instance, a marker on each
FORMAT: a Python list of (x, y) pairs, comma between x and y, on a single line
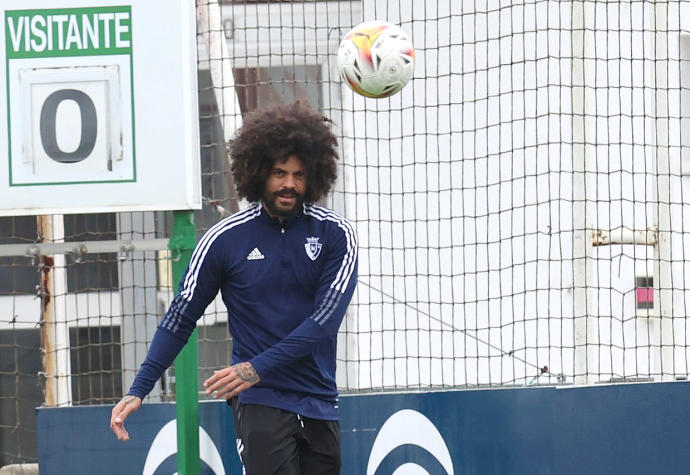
[(376, 59)]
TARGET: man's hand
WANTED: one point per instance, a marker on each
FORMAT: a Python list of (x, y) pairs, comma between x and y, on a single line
[(229, 382), (121, 411)]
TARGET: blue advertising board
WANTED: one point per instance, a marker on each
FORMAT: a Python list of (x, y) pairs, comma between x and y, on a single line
[(627, 429)]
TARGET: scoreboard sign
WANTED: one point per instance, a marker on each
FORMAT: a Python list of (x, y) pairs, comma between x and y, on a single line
[(70, 64), (101, 107)]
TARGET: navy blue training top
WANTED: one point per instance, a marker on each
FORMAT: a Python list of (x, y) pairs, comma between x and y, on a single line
[(286, 287)]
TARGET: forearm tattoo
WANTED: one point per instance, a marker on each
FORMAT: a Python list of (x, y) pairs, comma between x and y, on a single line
[(247, 373)]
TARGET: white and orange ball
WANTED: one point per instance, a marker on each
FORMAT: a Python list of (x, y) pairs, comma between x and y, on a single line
[(376, 59)]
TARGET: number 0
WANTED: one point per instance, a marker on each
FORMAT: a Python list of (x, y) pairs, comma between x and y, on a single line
[(89, 125)]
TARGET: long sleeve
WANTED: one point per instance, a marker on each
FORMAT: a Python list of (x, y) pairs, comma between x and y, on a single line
[(197, 289), (336, 287)]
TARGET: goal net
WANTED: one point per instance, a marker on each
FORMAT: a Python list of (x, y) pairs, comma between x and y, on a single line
[(520, 207)]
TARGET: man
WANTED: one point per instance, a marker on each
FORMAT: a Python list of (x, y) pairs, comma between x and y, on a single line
[(286, 270)]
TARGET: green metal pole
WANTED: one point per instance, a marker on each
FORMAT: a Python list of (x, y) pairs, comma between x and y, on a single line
[(182, 242)]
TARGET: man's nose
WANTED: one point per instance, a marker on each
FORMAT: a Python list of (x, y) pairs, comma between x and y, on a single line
[(289, 182)]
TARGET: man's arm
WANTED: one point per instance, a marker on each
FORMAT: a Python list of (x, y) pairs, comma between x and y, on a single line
[(122, 409), (229, 382), (198, 288)]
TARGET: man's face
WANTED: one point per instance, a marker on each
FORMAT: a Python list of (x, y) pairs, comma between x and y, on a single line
[(285, 187)]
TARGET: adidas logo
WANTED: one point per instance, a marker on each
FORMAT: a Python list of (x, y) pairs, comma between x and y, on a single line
[(255, 254)]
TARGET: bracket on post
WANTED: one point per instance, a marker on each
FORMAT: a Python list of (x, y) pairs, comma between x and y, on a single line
[(623, 235)]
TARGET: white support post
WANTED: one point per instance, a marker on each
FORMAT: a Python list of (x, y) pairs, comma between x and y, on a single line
[(220, 66), (663, 365), (684, 45), (222, 77), (585, 331), (55, 329)]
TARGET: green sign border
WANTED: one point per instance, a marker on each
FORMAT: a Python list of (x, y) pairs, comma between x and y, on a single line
[(109, 9)]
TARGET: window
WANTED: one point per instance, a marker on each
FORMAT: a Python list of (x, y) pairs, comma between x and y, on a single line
[(17, 274), (91, 272), (258, 87), (20, 394), (96, 365)]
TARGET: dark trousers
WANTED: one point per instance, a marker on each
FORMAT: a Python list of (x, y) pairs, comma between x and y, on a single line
[(273, 441)]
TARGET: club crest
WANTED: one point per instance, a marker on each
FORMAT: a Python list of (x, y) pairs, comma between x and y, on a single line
[(313, 248)]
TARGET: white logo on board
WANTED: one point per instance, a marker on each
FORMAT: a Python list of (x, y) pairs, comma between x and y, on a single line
[(408, 427), (165, 444)]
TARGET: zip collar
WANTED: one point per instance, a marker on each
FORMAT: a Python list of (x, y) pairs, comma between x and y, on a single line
[(286, 223)]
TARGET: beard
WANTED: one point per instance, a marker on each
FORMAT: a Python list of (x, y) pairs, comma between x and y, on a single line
[(271, 201)]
